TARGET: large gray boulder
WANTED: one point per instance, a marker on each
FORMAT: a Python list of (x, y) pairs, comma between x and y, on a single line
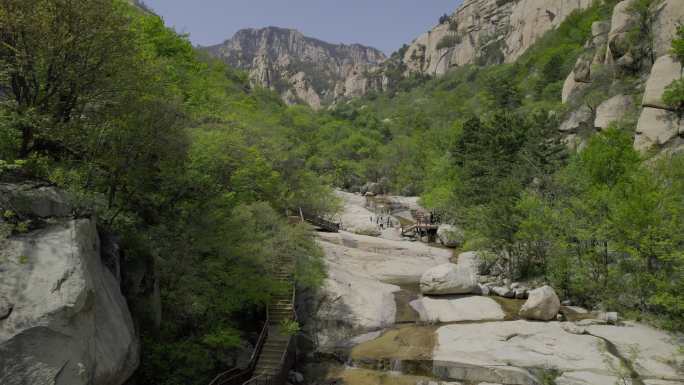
[(449, 309), (621, 23), (449, 279), (656, 128), (612, 110), (34, 199), (68, 323), (450, 236), (578, 120), (665, 70), (670, 14), (543, 304)]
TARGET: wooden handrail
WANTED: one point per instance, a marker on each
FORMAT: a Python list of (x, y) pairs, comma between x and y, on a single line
[(236, 376)]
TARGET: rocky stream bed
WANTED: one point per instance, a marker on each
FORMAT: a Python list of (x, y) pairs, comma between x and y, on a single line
[(371, 325)]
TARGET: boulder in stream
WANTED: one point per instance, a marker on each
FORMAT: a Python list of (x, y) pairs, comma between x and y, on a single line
[(543, 304), (449, 279)]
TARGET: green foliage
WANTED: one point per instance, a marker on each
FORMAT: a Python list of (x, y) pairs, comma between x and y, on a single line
[(674, 93), (176, 153), (641, 35), (289, 327), (678, 44), (449, 41)]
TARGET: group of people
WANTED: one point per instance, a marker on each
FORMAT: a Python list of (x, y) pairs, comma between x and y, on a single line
[(382, 221)]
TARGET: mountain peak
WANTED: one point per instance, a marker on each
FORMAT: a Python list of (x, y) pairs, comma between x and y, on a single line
[(300, 68)]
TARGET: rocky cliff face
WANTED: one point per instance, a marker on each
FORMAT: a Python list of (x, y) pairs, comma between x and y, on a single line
[(605, 69), (486, 32), (300, 68), (63, 319)]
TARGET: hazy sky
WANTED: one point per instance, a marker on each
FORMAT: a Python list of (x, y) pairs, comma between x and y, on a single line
[(384, 24)]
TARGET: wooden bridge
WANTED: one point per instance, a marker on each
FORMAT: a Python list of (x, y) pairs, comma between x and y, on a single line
[(274, 352), (425, 226)]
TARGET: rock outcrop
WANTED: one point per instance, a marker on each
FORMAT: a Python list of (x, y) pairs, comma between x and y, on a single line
[(486, 32), (543, 304), (65, 320), (450, 236), (301, 68), (658, 126), (449, 279)]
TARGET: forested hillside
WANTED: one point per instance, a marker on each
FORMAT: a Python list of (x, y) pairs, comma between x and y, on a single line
[(171, 150)]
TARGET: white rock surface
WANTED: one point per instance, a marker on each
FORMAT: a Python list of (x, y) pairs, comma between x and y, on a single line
[(664, 71), (657, 354), (351, 304), (657, 127), (585, 378), (580, 119), (670, 14), (69, 323), (434, 310), (509, 28), (496, 351), (398, 262), (355, 217), (543, 304), (615, 109), (449, 279)]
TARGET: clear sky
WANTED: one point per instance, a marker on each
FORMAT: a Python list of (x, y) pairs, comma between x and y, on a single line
[(383, 24)]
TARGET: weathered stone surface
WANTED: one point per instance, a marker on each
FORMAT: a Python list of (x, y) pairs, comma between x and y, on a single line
[(69, 324), (497, 351), (582, 70), (503, 291), (543, 304), (665, 70), (450, 236), (669, 15), (612, 110), (355, 217), (5, 307), (276, 56), (657, 353), (382, 259), (491, 31), (621, 22), (449, 279), (570, 87), (349, 304), (656, 127), (585, 378), (444, 309), (580, 119), (34, 200)]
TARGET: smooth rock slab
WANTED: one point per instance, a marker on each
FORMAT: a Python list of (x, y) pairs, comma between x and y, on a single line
[(458, 309), (656, 352), (586, 378), (496, 351)]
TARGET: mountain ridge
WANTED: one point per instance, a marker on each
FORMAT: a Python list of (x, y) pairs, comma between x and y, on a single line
[(299, 67)]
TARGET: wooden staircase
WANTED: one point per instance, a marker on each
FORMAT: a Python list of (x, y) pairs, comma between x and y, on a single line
[(272, 365), (273, 354)]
